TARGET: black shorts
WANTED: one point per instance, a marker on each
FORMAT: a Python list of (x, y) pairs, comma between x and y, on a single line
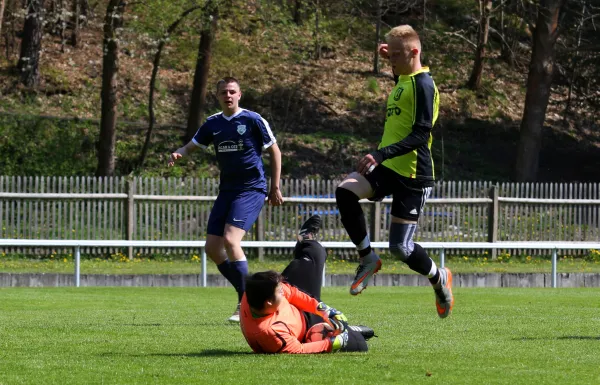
[(409, 195)]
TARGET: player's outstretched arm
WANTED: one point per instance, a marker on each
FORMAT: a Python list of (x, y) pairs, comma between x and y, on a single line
[(181, 152), (275, 198)]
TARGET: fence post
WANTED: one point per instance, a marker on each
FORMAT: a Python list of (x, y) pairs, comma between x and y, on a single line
[(554, 258), (77, 260), (493, 219), (260, 234), (130, 215), (375, 222), (203, 252)]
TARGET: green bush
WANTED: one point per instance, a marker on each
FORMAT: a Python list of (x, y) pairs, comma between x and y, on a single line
[(41, 146)]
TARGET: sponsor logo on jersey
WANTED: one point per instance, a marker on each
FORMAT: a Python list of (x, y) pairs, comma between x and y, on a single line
[(393, 110), (241, 129), (228, 146), (398, 93)]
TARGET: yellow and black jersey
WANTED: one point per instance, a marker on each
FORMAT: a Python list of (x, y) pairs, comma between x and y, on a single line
[(412, 110)]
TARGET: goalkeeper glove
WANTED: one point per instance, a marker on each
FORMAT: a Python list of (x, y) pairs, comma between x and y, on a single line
[(338, 342), (336, 318)]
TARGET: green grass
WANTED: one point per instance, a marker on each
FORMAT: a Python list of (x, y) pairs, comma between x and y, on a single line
[(192, 265), (179, 335)]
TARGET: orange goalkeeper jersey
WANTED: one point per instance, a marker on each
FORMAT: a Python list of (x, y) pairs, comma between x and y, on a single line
[(284, 330)]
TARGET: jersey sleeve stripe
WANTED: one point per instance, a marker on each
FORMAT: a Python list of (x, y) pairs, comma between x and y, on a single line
[(415, 101), (273, 140)]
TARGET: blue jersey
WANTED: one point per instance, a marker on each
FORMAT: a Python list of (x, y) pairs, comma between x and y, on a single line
[(238, 140)]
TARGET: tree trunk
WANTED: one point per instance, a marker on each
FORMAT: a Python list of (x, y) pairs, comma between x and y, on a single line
[(85, 11), (75, 32), (575, 63), (316, 34), (9, 31), (377, 39), (198, 100), (1, 15), (62, 25), (539, 82), (156, 64), (110, 68), (31, 44), (298, 12), (485, 8)]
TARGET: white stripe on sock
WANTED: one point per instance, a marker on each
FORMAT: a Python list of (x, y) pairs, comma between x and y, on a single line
[(364, 244), (433, 270)]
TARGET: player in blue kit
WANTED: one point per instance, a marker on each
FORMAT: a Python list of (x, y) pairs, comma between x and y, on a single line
[(239, 137)]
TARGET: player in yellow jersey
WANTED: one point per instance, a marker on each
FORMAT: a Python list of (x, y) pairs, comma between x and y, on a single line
[(401, 166)]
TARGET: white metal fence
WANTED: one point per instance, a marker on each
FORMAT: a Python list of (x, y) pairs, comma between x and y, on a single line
[(177, 209), (441, 246)]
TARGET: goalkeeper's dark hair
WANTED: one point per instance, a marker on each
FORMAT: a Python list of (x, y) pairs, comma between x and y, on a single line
[(260, 287)]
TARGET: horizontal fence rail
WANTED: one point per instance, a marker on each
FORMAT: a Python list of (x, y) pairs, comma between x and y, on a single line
[(441, 246), (175, 209)]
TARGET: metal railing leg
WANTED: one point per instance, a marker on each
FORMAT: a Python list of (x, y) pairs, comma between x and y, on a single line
[(442, 257), (554, 253), (77, 255), (323, 278), (203, 267)]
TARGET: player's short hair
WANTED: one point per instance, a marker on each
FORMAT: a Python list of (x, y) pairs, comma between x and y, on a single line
[(260, 287), (406, 33), (227, 80)]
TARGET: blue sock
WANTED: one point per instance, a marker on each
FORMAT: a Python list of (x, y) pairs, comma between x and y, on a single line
[(225, 270), (239, 271)]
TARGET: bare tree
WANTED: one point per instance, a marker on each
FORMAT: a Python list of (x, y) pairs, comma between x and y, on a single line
[(156, 64), (85, 11), (33, 30), (198, 100), (378, 22), (316, 35), (1, 15), (539, 82), (75, 21), (9, 20), (298, 12), (381, 9), (485, 8), (110, 68), (576, 56)]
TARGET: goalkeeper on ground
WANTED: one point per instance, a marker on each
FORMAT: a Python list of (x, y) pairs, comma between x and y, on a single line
[(278, 310)]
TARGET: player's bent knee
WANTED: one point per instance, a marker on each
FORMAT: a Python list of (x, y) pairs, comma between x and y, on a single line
[(343, 196), (401, 240), (357, 184), (399, 251)]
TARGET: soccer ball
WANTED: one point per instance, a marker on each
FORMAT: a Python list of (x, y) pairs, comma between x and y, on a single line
[(319, 332)]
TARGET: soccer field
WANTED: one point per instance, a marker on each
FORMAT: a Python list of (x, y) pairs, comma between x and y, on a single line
[(180, 336)]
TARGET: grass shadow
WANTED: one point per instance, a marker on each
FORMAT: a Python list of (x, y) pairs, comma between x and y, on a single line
[(591, 338), (585, 338), (203, 353), (206, 353)]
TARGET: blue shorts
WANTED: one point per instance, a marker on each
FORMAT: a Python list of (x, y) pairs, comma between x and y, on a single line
[(237, 208)]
